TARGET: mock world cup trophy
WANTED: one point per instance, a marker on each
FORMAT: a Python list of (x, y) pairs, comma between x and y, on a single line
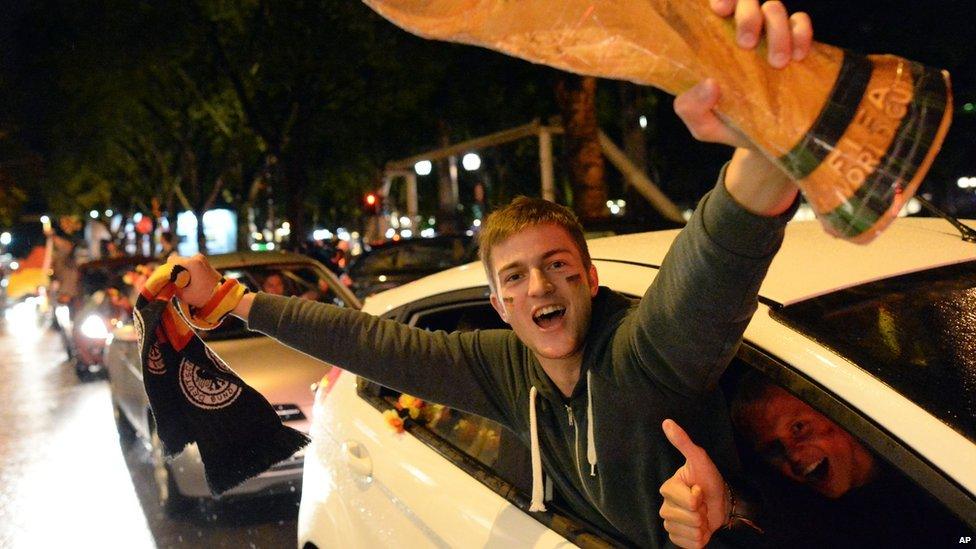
[(857, 133)]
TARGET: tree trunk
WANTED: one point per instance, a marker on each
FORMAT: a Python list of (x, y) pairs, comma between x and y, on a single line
[(294, 179), (632, 99), (577, 100), (448, 221), (201, 236)]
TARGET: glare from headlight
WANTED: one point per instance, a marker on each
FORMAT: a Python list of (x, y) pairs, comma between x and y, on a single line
[(94, 328), (63, 315)]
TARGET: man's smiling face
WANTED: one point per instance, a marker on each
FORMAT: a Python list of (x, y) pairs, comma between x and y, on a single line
[(544, 291), (806, 447)]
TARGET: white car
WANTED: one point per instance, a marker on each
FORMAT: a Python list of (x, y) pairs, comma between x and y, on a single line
[(879, 338), (285, 377)]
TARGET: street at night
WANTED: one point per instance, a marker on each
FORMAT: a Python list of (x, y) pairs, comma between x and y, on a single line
[(308, 274), (65, 481)]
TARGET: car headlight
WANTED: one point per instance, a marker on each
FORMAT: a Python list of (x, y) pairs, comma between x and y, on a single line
[(94, 328), (63, 315)]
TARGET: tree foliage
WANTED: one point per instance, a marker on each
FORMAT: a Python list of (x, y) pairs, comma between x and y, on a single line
[(291, 107)]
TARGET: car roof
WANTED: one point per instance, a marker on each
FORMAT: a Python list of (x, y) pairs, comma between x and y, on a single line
[(244, 259), (812, 263), (809, 264)]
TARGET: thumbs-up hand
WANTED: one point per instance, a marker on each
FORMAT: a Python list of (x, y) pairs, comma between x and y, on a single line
[(695, 500)]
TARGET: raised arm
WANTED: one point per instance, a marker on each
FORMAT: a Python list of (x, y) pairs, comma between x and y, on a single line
[(693, 315), (752, 180), (458, 370)]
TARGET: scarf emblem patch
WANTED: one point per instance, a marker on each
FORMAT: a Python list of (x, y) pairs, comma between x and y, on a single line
[(203, 389), (154, 361)]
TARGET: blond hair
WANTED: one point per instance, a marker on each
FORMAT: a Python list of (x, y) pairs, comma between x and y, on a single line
[(521, 213)]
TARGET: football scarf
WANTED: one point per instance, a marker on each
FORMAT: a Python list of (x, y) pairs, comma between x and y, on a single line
[(194, 396)]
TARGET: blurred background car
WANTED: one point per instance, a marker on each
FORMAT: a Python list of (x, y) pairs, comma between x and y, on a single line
[(391, 264), (874, 337), (104, 300), (285, 377)]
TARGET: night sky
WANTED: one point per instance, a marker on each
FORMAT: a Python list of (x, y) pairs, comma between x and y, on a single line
[(937, 33)]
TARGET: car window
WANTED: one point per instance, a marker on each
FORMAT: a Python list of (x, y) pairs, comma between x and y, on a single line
[(102, 274), (900, 465), (426, 256), (419, 255), (375, 261), (477, 437), (916, 333), (299, 280), (482, 448)]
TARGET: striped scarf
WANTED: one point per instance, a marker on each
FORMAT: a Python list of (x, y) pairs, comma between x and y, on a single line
[(194, 396)]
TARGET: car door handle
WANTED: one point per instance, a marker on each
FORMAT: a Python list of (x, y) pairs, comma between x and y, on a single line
[(357, 457)]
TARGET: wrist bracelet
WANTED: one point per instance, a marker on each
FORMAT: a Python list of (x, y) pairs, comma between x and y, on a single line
[(737, 516)]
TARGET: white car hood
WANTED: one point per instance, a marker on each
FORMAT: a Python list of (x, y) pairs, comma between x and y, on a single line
[(281, 374)]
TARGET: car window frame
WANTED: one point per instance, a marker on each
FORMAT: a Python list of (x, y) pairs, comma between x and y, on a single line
[(349, 300), (882, 442), (556, 518)]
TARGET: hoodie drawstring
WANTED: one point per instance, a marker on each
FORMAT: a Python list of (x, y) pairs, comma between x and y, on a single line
[(590, 444), (537, 491), (539, 494)]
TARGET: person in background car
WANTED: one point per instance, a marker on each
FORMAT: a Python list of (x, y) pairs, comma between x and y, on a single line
[(860, 501), (585, 369), (274, 283)]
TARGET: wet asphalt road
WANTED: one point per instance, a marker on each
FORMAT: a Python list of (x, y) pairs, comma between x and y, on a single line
[(66, 482)]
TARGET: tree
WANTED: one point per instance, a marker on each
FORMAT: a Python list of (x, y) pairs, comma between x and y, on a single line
[(577, 99)]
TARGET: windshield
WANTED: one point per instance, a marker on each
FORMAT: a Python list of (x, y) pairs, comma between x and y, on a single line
[(298, 280), (416, 256), (110, 273), (916, 333)]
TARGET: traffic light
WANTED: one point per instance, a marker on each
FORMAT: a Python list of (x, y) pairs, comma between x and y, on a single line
[(371, 203)]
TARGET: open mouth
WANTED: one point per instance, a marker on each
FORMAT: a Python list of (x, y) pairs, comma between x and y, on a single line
[(817, 472), (548, 315)]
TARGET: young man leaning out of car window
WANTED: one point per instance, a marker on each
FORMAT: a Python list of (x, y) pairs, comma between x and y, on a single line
[(585, 373), (858, 500)]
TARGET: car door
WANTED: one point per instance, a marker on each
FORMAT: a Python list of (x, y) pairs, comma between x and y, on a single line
[(125, 376)]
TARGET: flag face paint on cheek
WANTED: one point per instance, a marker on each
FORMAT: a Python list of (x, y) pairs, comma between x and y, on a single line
[(508, 300), (574, 278)]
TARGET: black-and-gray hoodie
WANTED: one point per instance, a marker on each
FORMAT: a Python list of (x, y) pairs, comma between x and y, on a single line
[(661, 357)]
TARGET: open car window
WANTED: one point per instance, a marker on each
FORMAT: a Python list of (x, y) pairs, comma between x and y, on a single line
[(900, 470), (299, 280), (482, 448)]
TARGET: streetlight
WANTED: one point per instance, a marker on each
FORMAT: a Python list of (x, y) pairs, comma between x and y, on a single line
[(5, 238), (471, 161), (423, 167)]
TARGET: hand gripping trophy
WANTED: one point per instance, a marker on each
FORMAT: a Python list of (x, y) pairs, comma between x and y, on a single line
[(857, 133)]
